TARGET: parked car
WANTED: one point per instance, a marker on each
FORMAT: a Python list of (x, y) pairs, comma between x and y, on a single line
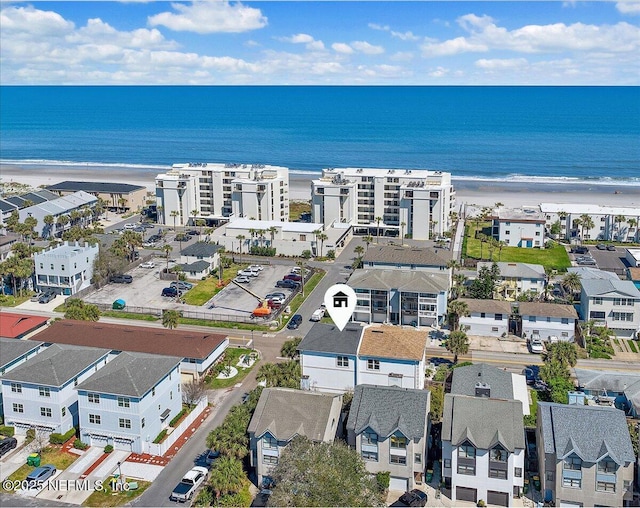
[(289, 284), (130, 226), (248, 273), (317, 315), (36, 297), (181, 285), (170, 292), (536, 346), (47, 296), (414, 497), (529, 375), (587, 261), (601, 246), (242, 279), (611, 247), (121, 279), (580, 250), (293, 276), (277, 299), (253, 268), (192, 232), (8, 443), (148, 264), (276, 294), (212, 456), (186, 488), (294, 322), (181, 237), (274, 304), (40, 474)]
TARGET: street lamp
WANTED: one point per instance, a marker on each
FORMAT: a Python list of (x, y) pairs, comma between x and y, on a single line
[(120, 473)]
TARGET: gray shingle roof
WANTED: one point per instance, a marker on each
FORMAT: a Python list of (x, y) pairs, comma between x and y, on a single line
[(588, 431), (547, 310), (404, 280), (200, 249), (286, 412), (586, 272), (198, 266), (621, 382), (56, 365), (130, 374), (386, 409), (397, 255), (484, 422), (517, 270), (326, 338), (100, 187), (487, 306), (600, 287), (464, 379), (12, 349)]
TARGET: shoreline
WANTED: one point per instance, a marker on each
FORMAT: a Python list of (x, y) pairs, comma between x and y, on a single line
[(470, 191)]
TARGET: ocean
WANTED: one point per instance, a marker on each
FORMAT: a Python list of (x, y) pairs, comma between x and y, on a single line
[(537, 134)]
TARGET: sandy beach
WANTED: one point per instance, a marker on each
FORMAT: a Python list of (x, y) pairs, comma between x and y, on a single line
[(481, 193)]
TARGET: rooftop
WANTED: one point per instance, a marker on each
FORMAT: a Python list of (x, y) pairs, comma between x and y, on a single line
[(598, 287), (586, 272), (221, 166), (547, 310), (301, 227), (8, 239), (200, 249), (7, 206), (56, 365), (518, 215), (393, 342), (130, 374), (13, 349), (591, 432), (68, 249), (403, 280), (487, 306), (14, 325), (181, 343), (327, 338), (517, 270), (397, 255), (100, 187), (285, 413), (384, 409), (198, 266), (621, 382)]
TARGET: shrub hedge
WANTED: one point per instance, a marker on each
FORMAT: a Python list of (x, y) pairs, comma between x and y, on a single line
[(5, 430), (56, 438)]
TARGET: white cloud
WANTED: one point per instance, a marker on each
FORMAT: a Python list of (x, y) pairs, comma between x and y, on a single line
[(98, 32), (452, 47), (631, 7), (22, 21), (438, 72), (341, 47), (210, 16), (501, 63), (308, 40), (367, 48), (405, 36), (376, 26), (402, 56)]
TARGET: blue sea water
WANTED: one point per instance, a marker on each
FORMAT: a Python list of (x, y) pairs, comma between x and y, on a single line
[(494, 133)]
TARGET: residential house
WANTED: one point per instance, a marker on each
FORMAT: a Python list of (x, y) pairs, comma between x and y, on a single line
[(633, 257), (622, 387), (518, 278), (65, 269), (487, 318), (14, 353), (547, 320), (39, 393), (586, 272), (483, 380), (282, 414), (7, 241), (611, 303), (199, 259), (483, 448), (518, 227), (199, 351), (395, 257), (117, 196), (129, 401), (6, 209), (585, 455), (389, 427), (14, 325)]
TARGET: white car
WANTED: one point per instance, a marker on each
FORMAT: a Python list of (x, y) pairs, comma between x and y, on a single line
[(148, 264), (242, 279), (536, 346), (185, 489), (255, 268), (317, 315)]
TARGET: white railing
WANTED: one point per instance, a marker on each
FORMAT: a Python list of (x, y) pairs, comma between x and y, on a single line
[(162, 448)]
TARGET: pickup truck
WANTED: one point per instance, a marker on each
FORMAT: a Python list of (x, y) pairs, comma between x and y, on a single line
[(186, 488)]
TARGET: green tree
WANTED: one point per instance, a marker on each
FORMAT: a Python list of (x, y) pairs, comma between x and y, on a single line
[(378, 221), (459, 281), (170, 319), (632, 227), (457, 344), (571, 283), (586, 222), (437, 402), (272, 233), (322, 474), (619, 220), (174, 214), (303, 269), (49, 221), (367, 239), (322, 237), (81, 311), (241, 239), (13, 220), (194, 214), (483, 285), (402, 226), (565, 353), (30, 223), (359, 251), (167, 249), (284, 374), (227, 475), (290, 348), (457, 309)]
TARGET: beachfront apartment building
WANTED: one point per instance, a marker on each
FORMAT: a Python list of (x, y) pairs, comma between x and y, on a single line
[(129, 401), (65, 269), (612, 303), (523, 227), (610, 223), (218, 192), (117, 196), (39, 393), (391, 202)]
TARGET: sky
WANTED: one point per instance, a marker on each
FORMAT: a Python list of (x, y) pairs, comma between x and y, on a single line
[(320, 43)]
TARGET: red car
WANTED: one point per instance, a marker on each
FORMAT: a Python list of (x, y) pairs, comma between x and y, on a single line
[(292, 276)]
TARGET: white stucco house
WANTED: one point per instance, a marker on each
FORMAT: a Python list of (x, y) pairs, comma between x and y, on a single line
[(65, 269), (614, 303), (548, 320), (522, 227), (488, 318)]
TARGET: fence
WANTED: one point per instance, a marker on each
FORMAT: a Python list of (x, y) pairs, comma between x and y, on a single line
[(192, 314), (162, 448)]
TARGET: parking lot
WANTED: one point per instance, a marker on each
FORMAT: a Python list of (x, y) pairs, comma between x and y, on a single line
[(610, 261)]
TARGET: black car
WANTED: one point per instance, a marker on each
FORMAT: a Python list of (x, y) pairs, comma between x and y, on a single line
[(611, 247), (414, 498), (294, 322), (47, 296), (181, 237), (171, 292), (580, 250), (121, 279), (7, 444), (289, 284), (192, 232)]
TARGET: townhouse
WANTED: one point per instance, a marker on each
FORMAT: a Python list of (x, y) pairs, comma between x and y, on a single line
[(389, 427), (40, 392), (117, 196), (387, 202), (483, 447), (57, 208), (548, 321), (585, 455), (199, 259), (488, 318), (283, 413), (129, 401), (14, 353), (522, 227), (517, 278), (612, 303), (65, 269), (7, 241)]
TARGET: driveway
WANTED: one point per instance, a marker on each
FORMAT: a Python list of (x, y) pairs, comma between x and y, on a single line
[(14, 459), (43, 307)]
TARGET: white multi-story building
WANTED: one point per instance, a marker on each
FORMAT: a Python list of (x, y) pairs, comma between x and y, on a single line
[(519, 227), (633, 257), (547, 320), (409, 202), (65, 269), (488, 318), (612, 303), (614, 223), (220, 191)]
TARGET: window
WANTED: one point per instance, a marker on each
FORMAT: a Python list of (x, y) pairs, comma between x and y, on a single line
[(95, 419), (565, 321), (124, 423), (597, 300), (575, 483), (417, 458), (75, 381), (269, 459), (467, 469), (373, 364), (622, 316), (171, 395), (548, 319), (398, 459), (532, 319), (124, 402), (498, 454), (342, 361), (268, 441), (18, 408), (483, 314), (498, 317), (607, 466), (369, 437), (507, 232), (153, 392), (16, 387), (500, 474), (447, 463), (572, 463), (549, 476), (518, 472), (46, 412), (466, 452), (494, 329), (94, 398), (64, 411), (44, 391), (370, 456), (142, 423), (605, 486), (398, 441)]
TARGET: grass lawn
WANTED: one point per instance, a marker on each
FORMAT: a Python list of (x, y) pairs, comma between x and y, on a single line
[(555, 258), (12, 301), (297, 208), (106, 497), (633, 346), (51, 455), (129, 315), (205, 289), (232, 355), (224, 324), (530, 419)]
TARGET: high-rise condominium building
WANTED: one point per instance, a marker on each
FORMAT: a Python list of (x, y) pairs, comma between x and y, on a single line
[(409, 202), (217, 192)]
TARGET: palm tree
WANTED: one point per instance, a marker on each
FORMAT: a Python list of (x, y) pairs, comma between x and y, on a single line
[(632, 225), (227, 475), (378, 221), (316, 232), (367, 239), (619, 220), (201, 223), (402, 225), (322, 237), (458, 344), (483, 238), (359, 250), (48, 220), (459, 280), (131, 240), (457, 309), (167, 248), (170, 319), (302, 266), (587, 223), (174, 214), (272, 232), (562, 352), (122, 202), (30, 223), (241, 239), (571, 282), (501, 245), (260, 234), (194, 214)]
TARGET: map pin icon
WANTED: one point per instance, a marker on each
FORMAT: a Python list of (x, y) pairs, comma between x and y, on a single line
[(340, 302)]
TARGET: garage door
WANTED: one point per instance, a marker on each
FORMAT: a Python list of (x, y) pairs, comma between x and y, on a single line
[(567, 504), (497, 498), (466, 494), (100, 441), (396, 483)]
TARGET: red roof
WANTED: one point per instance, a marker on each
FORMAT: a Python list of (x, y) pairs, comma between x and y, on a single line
[(14, 325)]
